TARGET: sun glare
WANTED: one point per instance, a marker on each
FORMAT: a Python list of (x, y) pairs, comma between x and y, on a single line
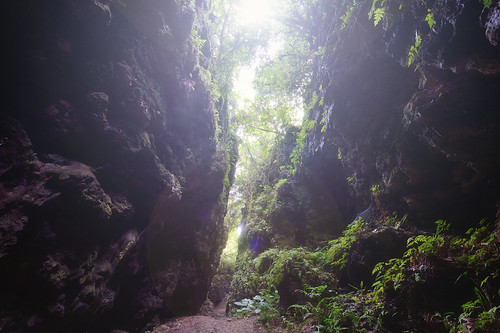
[(243, 83), (254, 12)]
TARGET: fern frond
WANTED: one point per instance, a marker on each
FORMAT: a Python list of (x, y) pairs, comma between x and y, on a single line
[(430, 19), (378, 15)]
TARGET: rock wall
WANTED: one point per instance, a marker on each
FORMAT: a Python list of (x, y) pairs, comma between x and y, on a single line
[(420, 136), (404, 132), (111, 180), (390, 136)]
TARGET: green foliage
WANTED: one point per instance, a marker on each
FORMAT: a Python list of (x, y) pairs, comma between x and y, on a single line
[(197, 41), (394, 221), (412, 54), (267, 270), (296, 155), (321, 51), (281, 84), (430, 18), (376, 190), (312, 103), (307, 126), (427, 245), (377, 13), (324, 118), (476, 253), (289, 73), (298, 262), (339, 153), (388, 274), (346, 17), (350, 311), (282, 87), (232, 46), (330, 311), (230, 252), (281, 182), (338, 250), (488, 319), (487, 3), (265, 305), (314, 292)]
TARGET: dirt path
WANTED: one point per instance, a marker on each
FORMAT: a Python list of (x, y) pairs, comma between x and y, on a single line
[(207, 324), (216, 322)]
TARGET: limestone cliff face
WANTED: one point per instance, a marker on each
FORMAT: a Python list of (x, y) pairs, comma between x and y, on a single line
[(416, 136), (111, 182)]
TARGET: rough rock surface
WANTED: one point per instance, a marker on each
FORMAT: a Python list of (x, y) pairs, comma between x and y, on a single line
[(111, 182), (406, 128), (301, 210), (419, 139)]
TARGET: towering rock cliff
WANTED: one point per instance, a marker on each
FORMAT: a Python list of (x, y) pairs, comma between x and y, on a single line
[(410, 109), (404, 130), (403, 119), (114, 182), (112, 192)]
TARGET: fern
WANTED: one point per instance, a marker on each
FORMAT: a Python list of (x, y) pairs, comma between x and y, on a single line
[(345, 18), (374, 7), (430, 18), (411, 58), (418, 41), (412, 54), (378, 15)]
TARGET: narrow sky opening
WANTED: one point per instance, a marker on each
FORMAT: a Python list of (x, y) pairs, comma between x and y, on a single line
[(255, 15), (254, 12), (244, 82)]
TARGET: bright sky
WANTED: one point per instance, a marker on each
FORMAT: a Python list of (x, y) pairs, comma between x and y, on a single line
[(261, 14), (243, 82), (254, 12)]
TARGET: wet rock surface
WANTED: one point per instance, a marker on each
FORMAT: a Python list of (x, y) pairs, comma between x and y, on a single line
[(112, 197)]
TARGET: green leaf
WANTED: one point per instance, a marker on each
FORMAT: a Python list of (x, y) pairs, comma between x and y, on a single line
[(378, 15), (487, 3), (430, 18), (418, 41)]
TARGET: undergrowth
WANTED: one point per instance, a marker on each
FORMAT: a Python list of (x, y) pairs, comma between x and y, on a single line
[(386, 305)]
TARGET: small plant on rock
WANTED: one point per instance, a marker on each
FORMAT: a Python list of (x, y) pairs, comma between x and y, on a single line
[(265, 305)]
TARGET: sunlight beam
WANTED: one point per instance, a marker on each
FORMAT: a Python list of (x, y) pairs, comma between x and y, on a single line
[(254, 12)]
